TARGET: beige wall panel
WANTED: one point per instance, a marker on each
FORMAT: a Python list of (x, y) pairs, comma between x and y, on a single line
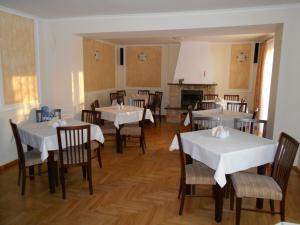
[(17, 48), (145, 73), (240, 71), (98, 74)]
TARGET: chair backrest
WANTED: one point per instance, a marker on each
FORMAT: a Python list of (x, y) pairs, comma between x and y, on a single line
[(237, 106), (74, 144), (91, 116), (159, 98), (152, 101), (121, 93), (208, 105), (181, 156), (138, 103), (113, 96), (204, 123), (210, 97), (41, 118), (255, 113), (95, 104), (18, 142), (143, 92), (252, 126), (232, 97), (284, 159), (142, 122)]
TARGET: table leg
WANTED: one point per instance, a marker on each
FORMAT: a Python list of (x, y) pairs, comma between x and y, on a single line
[(219, 203), (51, 171), (260, 170), (31, 168), (119, 141)]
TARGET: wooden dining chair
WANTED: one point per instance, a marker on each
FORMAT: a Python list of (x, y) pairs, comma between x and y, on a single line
[(232, 97), (75, 151), (192, 174), (152, 105), (208, 105), (138, 103), (143, 92), (159, 101), (210, 97), (25, 159), (121, 93), (135, 130), (93, 117), (237, 106), (252, 126), (95, 104), (113, 96), (40, 118), (274, 187)]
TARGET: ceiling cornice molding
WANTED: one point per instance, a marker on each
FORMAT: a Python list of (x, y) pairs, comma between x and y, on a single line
[(182, 13), (18, 13)]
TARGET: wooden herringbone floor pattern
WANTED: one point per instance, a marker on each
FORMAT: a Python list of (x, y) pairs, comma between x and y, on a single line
[(130, 189)]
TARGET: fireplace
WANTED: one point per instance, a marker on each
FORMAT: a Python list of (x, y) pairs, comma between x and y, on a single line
[(190, 97)]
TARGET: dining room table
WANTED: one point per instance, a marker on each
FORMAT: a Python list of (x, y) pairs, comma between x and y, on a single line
[(226, 117), (43, 136), (123, 114), (237, 152)]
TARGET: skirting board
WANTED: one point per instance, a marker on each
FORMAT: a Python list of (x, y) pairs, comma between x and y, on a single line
[(8, 165)]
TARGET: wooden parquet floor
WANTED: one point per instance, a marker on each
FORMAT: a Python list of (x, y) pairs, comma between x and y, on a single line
[(130, 189)]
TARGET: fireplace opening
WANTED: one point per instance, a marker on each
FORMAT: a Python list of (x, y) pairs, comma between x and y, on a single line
[(190, 97)]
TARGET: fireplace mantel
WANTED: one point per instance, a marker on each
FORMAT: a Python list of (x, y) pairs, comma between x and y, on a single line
[(189, 84)]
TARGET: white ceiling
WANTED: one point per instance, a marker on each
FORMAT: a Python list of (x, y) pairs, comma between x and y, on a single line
[(79, 8), (224, 34)]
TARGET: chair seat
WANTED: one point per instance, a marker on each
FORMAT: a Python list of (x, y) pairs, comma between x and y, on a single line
[(131, 131), (198, 173), (33, 157), (255, 186)]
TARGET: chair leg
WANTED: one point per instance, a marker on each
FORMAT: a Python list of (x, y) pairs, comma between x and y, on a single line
[(232, 193), (182, 198), (62, 181), (56, 173), (19, 177), (142, 143), (180, 188), (282, 210), (23, 179), (99, 157), (89, 175), (238, 211), (272, 207), (39, 169), (84, 172)]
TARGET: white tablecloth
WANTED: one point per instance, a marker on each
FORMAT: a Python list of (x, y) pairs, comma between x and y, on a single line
[(128, 114), (44, 137), (226, 117), (239, 151)]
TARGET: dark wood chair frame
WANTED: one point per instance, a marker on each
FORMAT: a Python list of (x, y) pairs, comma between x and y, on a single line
[(210, 97), (95, 104), (153, 104), (74, 150), (159, 101), (143, 92), (237, 106), (232, 97), (280, 172), (121, 93), (248, 125), (208, 105), (93, 117), (142, 140), (138, 103)]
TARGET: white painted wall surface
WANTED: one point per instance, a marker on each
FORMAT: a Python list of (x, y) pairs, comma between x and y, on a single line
[(193, 63)]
